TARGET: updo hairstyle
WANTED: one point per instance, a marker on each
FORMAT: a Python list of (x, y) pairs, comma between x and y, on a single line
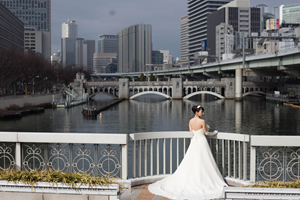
[(197, 109)]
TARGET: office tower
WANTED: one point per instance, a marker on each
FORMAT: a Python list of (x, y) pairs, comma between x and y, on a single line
[(242, 19), (69, 29), (197, 21), (11, 32), (69, 36), (36, 16), (290, 14), (104, 62), (134, 48), (184, 41), (264, 12), (167, 57), (108, 44), (224, 40), (84, 51), (37, 41), (157, 57)]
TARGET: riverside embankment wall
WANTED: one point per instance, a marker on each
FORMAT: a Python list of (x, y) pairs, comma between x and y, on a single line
[(27, 100)]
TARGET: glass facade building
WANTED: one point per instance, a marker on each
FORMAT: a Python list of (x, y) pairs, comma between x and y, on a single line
[(11, 30), (291, 14), (34, 13), (36, 16), (134, 48), (157, 57), (108, 44), (197, 22)]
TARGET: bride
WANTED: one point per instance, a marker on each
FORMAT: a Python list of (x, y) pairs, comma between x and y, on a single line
[(197, 176)]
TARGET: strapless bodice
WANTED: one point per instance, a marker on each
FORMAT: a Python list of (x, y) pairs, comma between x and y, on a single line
[(198, 133)]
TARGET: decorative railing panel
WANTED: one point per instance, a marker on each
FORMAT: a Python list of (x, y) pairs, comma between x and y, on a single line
[(7, 155), (278, 163), (94, 159)]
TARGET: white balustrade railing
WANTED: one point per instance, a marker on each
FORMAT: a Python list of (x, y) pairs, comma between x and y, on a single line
[(139, 155)]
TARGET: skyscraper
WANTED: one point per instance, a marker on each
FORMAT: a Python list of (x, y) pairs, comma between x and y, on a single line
[(242, 18), (12, 32), (134, 48), (84, 51), (184, 40), (197, 20), (290, 14), (69, 29), (36, 15), (108, 44), (69, 36)]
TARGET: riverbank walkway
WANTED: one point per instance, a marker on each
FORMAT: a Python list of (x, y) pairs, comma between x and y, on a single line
[(141, 192)]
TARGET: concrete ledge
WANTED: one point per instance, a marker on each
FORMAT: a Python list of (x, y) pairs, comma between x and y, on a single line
[(260, 193), (237, 182), (47, 191)]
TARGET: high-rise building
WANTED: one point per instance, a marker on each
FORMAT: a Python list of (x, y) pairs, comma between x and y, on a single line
[(84, 51), (101, 60), (224, 39), (69, 36), (242, 19), (36, 15), (184, 41), (290, 14), (37, 41), (134, 48), (157, 57), (68, 52), (167, 57), (11, 32), (108, 44), (69, 29), (197, 21)]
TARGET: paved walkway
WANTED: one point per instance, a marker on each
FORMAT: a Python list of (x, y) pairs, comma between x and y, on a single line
[(141, 193)]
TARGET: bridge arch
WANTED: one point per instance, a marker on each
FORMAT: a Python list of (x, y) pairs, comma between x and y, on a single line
[(203, 92), (109, 94), (254, 92), (149, 92)]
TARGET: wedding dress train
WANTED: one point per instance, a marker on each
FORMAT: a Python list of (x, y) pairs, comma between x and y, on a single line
[(197, 176)]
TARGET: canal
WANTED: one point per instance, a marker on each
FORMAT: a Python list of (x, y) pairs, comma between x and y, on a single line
[(152, 113)]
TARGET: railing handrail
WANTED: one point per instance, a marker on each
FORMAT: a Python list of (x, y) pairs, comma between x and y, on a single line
[(271, 140), (79, 138), (186, 134)]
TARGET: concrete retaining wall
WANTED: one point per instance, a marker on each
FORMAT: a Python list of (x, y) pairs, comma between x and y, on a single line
[(31, 100)]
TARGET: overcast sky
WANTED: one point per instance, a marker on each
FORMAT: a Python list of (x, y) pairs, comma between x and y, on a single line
[(96, 17)]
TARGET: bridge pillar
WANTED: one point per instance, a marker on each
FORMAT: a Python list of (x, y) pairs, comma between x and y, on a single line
[(176, 88), (123, 88), (238, 84)]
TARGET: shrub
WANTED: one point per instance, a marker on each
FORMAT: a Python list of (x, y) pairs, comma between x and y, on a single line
[(54, 177), (278, 184), (142, 77), (13, 107)]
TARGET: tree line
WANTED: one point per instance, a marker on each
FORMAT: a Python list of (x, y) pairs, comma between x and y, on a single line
[(19, 70)]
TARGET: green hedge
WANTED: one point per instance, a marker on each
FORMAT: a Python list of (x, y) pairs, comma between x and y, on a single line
[(54, 177)]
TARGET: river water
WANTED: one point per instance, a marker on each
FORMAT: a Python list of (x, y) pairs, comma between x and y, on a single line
[(151, 113)]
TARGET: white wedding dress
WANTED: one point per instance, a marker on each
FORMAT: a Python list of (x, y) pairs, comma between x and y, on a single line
[(197, 176)]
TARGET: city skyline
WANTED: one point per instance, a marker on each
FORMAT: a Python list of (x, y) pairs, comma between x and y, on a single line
[(98, 18)]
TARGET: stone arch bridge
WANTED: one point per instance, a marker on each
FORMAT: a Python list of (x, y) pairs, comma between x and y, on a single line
[(176, 88)]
